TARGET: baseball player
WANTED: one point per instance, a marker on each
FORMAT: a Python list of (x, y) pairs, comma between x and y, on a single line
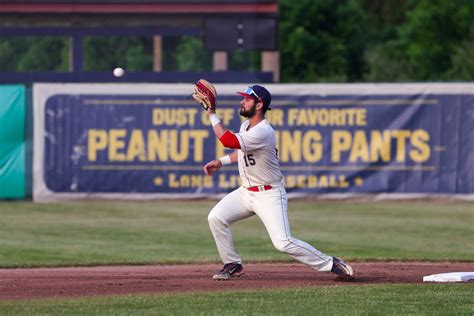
[(262, 192)]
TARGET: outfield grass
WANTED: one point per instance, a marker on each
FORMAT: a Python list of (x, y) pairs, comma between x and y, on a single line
[(412, 299), (97, 233)]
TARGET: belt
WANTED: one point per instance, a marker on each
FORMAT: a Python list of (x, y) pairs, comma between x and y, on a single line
[(259, 188)]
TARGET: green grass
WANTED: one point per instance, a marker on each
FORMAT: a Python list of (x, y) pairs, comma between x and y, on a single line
[(424, 299), (97, 233)]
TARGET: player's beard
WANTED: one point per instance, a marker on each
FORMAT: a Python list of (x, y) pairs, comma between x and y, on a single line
[(250, 112)]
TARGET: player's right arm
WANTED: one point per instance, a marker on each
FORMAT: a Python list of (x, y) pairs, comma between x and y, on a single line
[(214, 165)]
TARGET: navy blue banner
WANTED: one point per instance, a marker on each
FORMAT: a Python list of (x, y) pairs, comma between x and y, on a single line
[(416, 143)]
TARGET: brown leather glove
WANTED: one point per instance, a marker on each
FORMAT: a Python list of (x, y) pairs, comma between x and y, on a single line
[(205, 94)]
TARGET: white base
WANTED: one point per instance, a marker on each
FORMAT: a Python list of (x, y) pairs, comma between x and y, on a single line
[(449, 277)]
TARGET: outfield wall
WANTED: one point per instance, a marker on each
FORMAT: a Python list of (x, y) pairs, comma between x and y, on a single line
[(151, 141)]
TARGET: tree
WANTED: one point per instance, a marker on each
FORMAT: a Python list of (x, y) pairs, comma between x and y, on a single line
[(425, 47), (34, 54), (462, 61), (190, 55), (104, 53), (321, 40)]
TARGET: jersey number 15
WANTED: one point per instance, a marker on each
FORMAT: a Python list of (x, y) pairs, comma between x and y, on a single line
[(249, 160)]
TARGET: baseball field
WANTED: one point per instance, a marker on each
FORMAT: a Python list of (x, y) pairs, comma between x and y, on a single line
[(148, 258)]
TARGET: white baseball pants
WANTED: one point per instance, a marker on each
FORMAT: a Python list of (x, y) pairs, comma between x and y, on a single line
[(271, 206)]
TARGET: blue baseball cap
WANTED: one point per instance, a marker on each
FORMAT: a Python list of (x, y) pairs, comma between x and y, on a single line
[(258, 93)]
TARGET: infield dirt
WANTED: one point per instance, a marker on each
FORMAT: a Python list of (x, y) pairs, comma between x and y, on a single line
[(119, 280)]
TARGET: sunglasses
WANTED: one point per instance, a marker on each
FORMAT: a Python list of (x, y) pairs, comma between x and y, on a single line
[(250, 91)]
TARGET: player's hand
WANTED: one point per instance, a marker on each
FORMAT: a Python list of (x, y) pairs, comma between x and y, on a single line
[(212, 166)]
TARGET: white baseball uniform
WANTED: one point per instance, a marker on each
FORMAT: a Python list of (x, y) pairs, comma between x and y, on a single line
[(259, 168)]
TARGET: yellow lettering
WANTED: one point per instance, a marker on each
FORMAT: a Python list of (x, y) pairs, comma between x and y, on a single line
[(335, 117), (275, 117), (342, 183), (220, 149), (161, 145), (312, 181), (171, 117), (179, 149), (116, 143), (292, 116), (312, 115), (226, 115), (326, 117), (158, 145), (205, 119), (421, 151), (401, 137), (341, 141), (136, 146), (96, 140), (290, 147), (380, 146), (189, 181), (323, 117), (198, 137), (225, 182), (350, 116), (360, 147), (323, 182), (302, 118), (361, 117), (172, 181), (312, 147)]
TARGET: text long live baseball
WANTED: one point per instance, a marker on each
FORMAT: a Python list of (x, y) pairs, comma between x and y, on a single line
[(224, 181)]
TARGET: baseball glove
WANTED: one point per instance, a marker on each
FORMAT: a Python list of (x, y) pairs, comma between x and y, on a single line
[(205, 94)]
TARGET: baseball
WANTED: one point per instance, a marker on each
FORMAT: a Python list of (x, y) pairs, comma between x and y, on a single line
[(119, 72)]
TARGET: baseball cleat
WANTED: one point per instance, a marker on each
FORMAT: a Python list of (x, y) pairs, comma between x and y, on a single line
[(343, 271), (230, 270)]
